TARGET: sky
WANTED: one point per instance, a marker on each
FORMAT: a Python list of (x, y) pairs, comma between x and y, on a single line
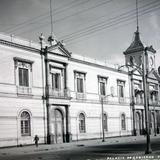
[(100, 29)]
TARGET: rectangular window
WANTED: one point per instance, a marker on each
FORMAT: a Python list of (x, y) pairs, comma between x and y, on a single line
[(55, 80), (80, 85), (23, 77), (121, 91), (102, 83), (102, 88)]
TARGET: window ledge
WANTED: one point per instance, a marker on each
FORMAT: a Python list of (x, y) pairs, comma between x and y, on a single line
[(24, 91)]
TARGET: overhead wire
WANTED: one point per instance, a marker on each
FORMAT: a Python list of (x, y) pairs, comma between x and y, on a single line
[(45, 16), (97, 18), (89, 26), (68, 16), (109, 27), (97, 31), (105, 25), (116, 25), (128, 13), (86, 32)]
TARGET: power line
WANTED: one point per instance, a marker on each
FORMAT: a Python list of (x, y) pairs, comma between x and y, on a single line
[(71, 41), (100, 17), (102, 25), (73, 15), (45, 15), (107, 27), (69, 16)]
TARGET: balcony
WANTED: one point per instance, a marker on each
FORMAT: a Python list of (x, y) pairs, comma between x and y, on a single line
[(153, 103), (81, 96), (139, 101), (21, 90), (59, 93)]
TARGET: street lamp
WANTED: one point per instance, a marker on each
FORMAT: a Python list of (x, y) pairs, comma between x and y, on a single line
[(102, 110), (103, 134), (146, 100)]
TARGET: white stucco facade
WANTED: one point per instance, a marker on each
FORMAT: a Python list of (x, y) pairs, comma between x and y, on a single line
[(57, 115)]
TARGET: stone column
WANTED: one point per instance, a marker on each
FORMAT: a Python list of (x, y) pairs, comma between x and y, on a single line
[(47, 94), (155, 122), (66, 77), (48, 125), (68, 134), (142, 121)]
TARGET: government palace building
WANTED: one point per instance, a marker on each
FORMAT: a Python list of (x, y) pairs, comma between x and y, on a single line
[(48, 91)]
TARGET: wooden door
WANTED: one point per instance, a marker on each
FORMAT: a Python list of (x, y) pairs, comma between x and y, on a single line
[(58, 126)]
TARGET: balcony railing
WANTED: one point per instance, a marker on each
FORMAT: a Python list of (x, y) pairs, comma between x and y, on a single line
[(24, 90), (153, 103), (139, 103), (59, 93), (80, 95)]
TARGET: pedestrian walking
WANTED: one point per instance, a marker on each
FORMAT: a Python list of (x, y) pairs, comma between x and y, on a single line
[(36, 139)]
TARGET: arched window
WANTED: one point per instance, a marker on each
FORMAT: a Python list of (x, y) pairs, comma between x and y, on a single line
[(105, 122), (25, 124), (82, 127), (123, 121)]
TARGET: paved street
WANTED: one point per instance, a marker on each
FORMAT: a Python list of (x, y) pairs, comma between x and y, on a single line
[(112, 148)]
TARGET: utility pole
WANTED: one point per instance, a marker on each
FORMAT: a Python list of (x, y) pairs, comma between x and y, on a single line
[(146, 101), (103, 135)]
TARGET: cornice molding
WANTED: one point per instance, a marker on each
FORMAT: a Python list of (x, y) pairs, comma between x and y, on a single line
[(16, 45), (96, 65)]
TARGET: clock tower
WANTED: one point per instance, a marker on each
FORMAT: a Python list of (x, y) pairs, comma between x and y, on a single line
[(133, 54)]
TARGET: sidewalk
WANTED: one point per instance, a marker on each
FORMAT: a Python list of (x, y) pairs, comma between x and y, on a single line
[(69, 146)]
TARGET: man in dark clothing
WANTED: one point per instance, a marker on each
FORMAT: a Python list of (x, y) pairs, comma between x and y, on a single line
[(36, 139)]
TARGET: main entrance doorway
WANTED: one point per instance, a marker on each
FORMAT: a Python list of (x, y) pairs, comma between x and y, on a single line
[(58, 126)]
